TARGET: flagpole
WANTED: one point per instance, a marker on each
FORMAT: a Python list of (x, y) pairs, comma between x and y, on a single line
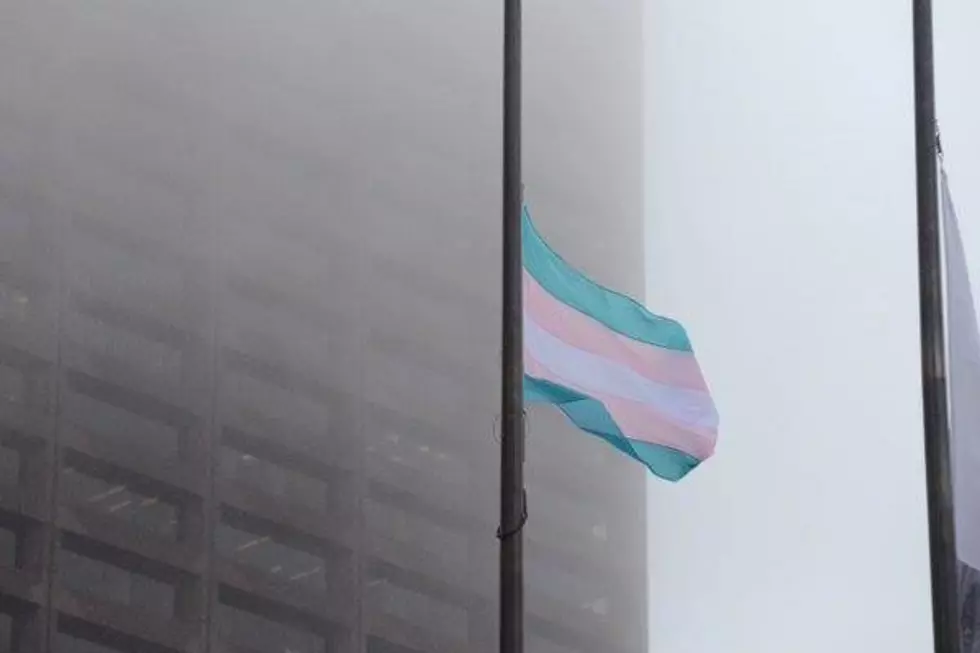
[(934, 375), (512, 498)]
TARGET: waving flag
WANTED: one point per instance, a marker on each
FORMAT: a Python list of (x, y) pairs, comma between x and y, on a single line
[(616, 370)]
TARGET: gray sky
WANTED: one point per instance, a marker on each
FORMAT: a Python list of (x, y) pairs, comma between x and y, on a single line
[(782, 233)]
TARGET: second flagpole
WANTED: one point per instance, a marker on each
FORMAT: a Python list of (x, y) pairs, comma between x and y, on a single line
[(934, 376), (512, 498)]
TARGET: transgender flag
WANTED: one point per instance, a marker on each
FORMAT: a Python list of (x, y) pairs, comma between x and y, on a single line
[(616, 370)]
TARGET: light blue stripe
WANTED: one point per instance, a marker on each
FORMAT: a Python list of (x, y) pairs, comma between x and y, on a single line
[(591, 416), (616, 311)]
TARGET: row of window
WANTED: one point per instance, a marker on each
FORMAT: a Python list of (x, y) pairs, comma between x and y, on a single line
[(92, 569), (122, 499), (150, 511), (98, 335), (158, 286), (248, 630), (254, 627), (390, 454), (410, 459), (80, 572), (100, 339)]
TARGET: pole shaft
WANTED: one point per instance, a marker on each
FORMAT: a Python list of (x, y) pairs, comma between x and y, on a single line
[(934, 375), (512, 508)]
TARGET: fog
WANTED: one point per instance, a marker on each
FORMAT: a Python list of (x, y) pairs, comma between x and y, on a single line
[(250, 271), (782, 229)]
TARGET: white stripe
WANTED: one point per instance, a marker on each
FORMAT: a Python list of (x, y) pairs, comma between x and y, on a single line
[(593, 373)]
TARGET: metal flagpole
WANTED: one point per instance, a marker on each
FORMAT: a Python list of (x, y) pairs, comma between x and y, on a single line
[(512, 498), (934, 376)]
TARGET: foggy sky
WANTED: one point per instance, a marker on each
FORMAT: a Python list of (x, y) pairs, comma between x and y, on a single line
[(781, 229)]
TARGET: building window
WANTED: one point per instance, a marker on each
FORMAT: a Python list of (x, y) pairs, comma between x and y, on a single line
[(258, 470), (16, 617), (104, 339), (276, 317), (10, 462), (11, 533), (283, 556), (13, 385), (558, 584), (96, 265), (417, 609), (93, 642), (257, 629), (271, 400), (8, 547), (570, 522), (418, 453), (411, 457), (6, 632), (70, 644), (415, 389), (118, 497), (15, 304), (91, 569), (130, 430), (408, 528), (79, 636), (378, 645), (535, 644)]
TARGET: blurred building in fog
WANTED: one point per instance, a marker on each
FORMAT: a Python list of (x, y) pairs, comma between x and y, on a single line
[(249, 315)]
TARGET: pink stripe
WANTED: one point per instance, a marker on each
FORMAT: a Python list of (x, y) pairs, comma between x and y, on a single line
[(661, 365), (637, 421)]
